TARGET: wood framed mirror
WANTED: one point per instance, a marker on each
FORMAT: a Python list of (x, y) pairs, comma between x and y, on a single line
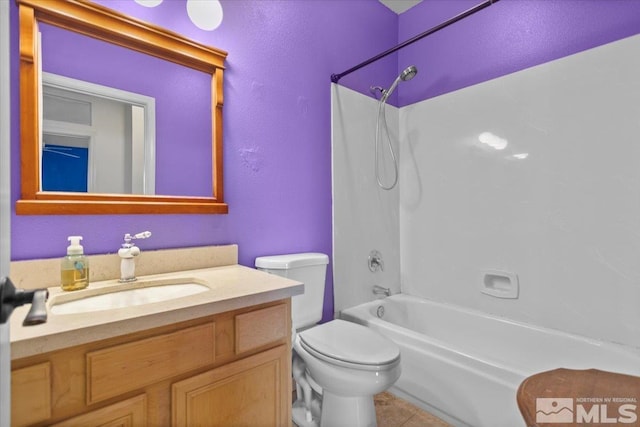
[(101, 23)]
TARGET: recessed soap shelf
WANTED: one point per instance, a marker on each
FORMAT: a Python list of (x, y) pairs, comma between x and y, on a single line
[(500, 284)]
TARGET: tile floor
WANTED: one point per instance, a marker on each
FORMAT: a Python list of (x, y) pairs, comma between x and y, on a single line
[(392, 411), (395, 412)]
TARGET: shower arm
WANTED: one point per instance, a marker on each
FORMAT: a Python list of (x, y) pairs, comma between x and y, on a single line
[(336, 77)]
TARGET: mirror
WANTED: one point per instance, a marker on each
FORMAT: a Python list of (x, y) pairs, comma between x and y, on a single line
[(156, 191)]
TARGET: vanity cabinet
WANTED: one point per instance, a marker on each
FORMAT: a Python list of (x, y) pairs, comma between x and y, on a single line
[(232, 368)]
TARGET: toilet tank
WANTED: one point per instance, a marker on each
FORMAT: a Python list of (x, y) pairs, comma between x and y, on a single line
[(309, 268)]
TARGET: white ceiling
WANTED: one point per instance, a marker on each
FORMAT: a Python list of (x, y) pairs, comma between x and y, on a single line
[(399, 6)]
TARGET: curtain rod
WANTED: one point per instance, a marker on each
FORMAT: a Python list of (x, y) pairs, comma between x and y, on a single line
[(336, 77)]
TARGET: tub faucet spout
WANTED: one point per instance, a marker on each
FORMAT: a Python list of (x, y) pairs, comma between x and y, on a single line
[(379, 290)]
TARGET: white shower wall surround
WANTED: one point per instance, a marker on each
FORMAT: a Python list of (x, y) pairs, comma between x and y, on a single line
[(536, 173), (365, 217), (559, 205)]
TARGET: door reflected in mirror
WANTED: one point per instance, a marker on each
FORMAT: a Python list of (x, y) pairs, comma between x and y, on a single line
[(96, 139)]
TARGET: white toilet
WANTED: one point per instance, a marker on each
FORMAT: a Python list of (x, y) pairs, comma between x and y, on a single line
[(344, 363)]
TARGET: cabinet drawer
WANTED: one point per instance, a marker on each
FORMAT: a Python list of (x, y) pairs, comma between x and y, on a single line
[(31, 394), (128, 413), (261, 327), (148, 361)]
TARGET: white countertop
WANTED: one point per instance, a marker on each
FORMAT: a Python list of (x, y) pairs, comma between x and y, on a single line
[(231, 287)]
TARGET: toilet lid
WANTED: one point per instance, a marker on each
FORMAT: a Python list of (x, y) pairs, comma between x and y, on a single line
[(350, 342)]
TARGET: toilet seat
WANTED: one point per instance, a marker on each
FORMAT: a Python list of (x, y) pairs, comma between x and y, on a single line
[(350, 345)]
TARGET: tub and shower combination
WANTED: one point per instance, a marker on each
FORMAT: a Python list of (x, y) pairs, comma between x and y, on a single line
[(465, 366)]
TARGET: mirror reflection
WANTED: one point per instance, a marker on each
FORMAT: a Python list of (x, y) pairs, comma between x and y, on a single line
[(120, 121), (96, 139)]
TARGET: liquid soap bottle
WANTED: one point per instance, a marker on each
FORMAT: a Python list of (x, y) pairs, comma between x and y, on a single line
[(74, 272)]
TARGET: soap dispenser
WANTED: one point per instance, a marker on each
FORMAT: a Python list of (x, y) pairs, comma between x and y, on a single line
[(74, 271)]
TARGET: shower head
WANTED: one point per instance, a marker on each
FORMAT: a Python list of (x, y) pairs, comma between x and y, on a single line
[(406, 75)]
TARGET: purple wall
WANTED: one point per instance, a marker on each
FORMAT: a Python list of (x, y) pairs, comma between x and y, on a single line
[(505, 37), (277, 130)]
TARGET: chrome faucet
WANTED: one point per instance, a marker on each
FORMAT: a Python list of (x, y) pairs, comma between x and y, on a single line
[(127, 253), (380, 290)]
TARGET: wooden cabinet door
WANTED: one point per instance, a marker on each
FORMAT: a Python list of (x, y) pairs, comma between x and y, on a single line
[(254, 391), (30, 394)]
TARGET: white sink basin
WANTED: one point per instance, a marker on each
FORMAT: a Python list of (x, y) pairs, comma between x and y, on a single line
[(121, 298)]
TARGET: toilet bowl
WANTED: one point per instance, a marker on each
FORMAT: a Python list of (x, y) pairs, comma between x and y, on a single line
[(338, 366), (350, 363)]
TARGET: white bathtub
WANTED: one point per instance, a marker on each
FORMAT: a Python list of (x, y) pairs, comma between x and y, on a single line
[(465, 366)]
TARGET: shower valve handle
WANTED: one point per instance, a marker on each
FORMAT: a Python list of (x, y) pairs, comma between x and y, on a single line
[(375, 261)]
